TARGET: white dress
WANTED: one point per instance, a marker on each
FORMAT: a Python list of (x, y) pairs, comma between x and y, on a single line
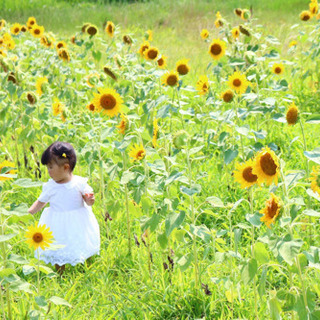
[(71, 221)]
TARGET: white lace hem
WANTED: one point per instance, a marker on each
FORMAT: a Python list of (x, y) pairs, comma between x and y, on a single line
[(66, 257)]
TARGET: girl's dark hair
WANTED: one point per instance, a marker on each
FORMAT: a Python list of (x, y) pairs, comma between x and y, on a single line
[(60, 153)]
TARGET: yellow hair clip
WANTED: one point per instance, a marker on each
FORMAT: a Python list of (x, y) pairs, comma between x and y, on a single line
[(64, 155)]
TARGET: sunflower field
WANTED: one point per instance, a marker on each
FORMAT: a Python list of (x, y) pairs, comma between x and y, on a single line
[(207, 182)]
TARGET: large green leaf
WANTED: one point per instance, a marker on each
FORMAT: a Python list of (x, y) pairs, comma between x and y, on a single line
[(290, 249), (249, 270), (261, 253), (27, 183), (174, 221), (59, 301), (313, 155)]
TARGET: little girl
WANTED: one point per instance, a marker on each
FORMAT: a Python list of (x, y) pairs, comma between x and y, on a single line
[(69, 217)]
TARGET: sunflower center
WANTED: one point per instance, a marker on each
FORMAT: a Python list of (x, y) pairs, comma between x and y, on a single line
[(59, 45), (37, 237), (237, 82), (16, 30), (248, 175), (108, 101), (216, 49), (31, 22), (272, 208), (110, 29), (172, 80), (91, 107), (268, 165), (64, 55), (306, 17), (31, 98), (160, 62), (140, 154), (227, 97), (152, 54), (92, 31), (36, 31), (277, 70), (183, 69)]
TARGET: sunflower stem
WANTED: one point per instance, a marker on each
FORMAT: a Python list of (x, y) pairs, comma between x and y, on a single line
[(193, 217), (4, 258), (38, 272), (127, 205), (252, 254), (307, 172)]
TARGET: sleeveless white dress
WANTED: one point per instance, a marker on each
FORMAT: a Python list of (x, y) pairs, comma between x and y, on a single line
[(71, 221)]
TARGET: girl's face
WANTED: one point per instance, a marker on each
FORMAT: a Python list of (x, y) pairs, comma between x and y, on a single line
[(58, 173)]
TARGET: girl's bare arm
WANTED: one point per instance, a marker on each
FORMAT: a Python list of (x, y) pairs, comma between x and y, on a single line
[(37, 206)]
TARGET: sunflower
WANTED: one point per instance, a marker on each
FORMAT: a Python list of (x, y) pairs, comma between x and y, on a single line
[(171, 78), (243, 174), (40, 83), (155, 132), (57, 107), (305, 15), (110, 73), (151, 53), (204, 34), (1, 42), (203, 85), (108, 101), (235, 32), (92, 79), (292, 114), (127, 40), (84, 27), (137, 152), (110, 29), (162, 62), (238, 12), (219, 21), (7, 164), (278, 68), (293, 43), (31, 22), (91, 107), (123, 124), (227, 96), (182, 67), (15, 29), (266, 166), (39, 237), (10, 44), (37, 31), (315, 179), (2, 23), (238, 82), (92, 30), (64, 54), (217, 49), (61, 44), (271, 210), (31, 98), (245, 14), (3, 53), (46, 41), (12, 77), (244, 31), (149, 35), (144, 46), (313, 8)]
